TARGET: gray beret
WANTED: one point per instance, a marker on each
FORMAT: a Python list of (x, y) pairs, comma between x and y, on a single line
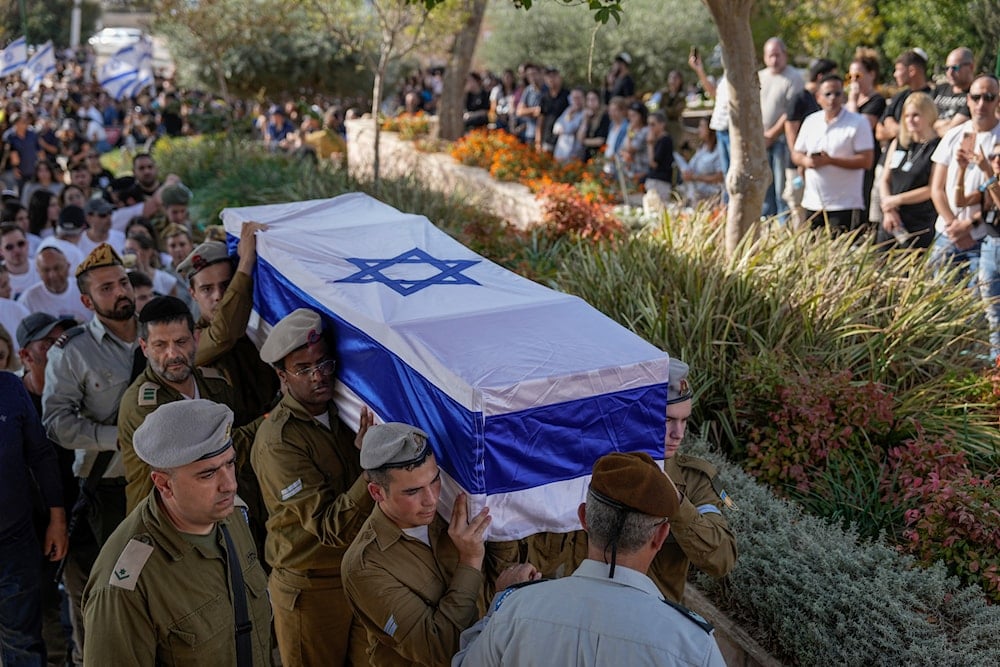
[(393, 445), (298, 328), (678, 390), (182, 432), (206, 254)]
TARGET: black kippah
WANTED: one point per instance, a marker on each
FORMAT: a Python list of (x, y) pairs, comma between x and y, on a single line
[(163, 308)]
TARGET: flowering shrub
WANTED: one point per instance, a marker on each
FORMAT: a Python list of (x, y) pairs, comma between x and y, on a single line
[(951, 513), (813, 422), (409, 125), (565, 211)]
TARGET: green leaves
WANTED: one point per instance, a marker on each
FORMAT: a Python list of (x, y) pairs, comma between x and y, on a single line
[(603, 10)]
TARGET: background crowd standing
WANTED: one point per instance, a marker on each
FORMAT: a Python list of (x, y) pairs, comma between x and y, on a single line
[(918, 166), (133, 406)]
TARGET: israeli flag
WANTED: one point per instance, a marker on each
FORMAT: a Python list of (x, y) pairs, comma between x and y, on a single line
[(40, 65), (117, 77), (14, 57), (521, 388)]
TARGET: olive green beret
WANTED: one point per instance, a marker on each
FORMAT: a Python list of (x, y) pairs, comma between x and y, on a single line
[(181, 432), (678, 390), (206, 254), (634, 482), (393, 445), (298, 328)]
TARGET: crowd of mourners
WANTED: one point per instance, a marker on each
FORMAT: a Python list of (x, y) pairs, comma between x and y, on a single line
[(136, 406), (176, 493)]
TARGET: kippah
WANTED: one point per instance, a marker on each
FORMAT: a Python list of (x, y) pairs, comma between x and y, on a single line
[(163, 308)]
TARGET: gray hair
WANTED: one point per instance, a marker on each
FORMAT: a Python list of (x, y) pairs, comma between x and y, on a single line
[(603, 525)]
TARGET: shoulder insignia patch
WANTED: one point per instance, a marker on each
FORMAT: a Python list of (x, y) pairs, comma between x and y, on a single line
[(147, 393), (129, 565), (695, 463), (69, 335), (719, 489), (695, 618), (210, 373)]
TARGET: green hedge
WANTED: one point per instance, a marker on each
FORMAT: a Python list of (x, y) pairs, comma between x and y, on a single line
[(817, 594)]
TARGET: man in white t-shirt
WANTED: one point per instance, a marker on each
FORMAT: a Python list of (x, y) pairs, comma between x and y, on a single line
[(15, 252), (55, 295), (835, 146), (98, 231), (958, 238)]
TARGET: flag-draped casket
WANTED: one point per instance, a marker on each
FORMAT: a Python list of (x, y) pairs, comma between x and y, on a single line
[(521, 388)]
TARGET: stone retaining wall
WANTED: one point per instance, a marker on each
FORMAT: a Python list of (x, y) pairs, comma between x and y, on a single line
[(398, 159)]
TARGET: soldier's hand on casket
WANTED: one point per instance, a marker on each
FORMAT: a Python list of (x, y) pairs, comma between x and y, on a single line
[(469, 535), (247, 247), (517, 574), (364, 423)]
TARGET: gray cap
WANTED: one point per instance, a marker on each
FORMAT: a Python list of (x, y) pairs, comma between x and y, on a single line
[(38, 325), (206, 254), (299, 328), (98, 205), (182, 432), (678, 390), (393, 445)]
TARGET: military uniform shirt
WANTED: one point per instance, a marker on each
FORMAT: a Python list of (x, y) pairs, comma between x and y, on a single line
[(413, 600), (85, 378), (147, 393), (156, 598), (310, 477), (588, 620), (699, 533), (224, 345)]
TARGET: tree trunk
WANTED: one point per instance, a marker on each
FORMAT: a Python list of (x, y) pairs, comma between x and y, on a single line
[(749, 173), (452, 102), (377, 91)]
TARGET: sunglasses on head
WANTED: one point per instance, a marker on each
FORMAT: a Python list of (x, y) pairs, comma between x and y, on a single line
[(989, 97)]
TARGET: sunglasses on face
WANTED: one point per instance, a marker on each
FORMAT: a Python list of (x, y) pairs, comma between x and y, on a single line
[(989, 97), (833, 93), (16, 244)]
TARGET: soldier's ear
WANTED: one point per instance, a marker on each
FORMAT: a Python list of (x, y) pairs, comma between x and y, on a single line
[(162, 482), (376, 491), (581, 512)]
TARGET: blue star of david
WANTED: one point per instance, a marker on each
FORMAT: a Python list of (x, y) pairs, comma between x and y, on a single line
[(372, 271)]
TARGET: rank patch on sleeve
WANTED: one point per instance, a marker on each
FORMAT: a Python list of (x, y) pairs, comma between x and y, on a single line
[(291, 489), (130, 563)]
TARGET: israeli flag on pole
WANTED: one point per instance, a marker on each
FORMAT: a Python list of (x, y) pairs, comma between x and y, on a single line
[(117, 76), (14, 57), (140, 56), (520, 387), (39, 65)]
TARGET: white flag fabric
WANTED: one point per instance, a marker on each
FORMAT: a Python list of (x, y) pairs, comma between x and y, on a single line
[(39, 65), (14, 57), (129, 70), (521, 388)]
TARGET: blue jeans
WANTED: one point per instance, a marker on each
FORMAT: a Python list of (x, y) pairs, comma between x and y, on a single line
[(778, 158), (21, 642), (726, 154), (989, 289), (943, 254)]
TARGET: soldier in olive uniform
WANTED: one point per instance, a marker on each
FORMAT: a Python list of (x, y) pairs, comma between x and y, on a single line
[(414, 580), (179, 582), (225, 299), (166, 335), (699, 532), (88, 370), (306, 459)]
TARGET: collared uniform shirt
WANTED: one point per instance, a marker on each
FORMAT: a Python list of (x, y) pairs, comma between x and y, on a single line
[(310, 477), (84, 381), (414, 600), (588, 620), (156, 598), (699, 533)]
